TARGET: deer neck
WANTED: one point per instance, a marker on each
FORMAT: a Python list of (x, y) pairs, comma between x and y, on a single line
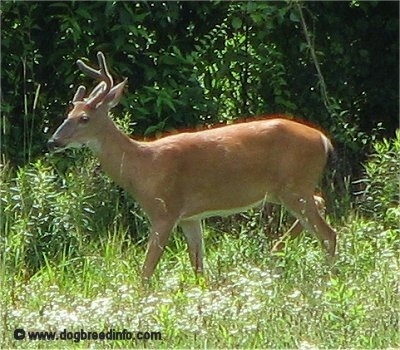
[(119, 156)]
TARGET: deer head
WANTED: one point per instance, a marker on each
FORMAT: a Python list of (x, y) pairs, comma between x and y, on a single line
[(89, 116)]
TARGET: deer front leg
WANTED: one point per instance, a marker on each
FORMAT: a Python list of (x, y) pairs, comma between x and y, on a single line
[(194, 239), (160, 232)]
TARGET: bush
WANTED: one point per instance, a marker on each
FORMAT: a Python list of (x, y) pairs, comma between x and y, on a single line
[(380, 195), (49, 214)]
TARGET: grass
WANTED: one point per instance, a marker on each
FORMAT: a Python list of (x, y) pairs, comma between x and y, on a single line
[(247, 299), (69, 262)]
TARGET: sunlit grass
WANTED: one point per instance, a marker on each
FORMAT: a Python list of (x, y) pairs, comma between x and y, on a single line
[(250, 299)]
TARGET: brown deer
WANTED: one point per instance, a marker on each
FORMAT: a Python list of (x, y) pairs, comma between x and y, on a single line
[(184, 178)]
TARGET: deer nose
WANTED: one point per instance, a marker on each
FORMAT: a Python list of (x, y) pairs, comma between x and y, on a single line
[(52, 144)]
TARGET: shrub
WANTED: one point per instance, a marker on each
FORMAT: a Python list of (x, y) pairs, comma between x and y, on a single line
[(49, 214), (380, 195)]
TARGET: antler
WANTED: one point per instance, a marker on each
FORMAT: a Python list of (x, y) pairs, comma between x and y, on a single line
[(103, 88), (79, 94)]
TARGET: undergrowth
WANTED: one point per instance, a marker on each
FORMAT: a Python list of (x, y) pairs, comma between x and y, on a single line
[(72, 246)]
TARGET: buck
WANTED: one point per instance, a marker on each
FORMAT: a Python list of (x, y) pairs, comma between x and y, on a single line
[(181, 179)]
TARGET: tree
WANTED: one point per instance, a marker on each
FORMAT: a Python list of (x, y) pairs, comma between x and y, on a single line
[(191, 63)]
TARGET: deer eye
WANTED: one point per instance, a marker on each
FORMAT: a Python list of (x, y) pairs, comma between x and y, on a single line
[(84, 118)]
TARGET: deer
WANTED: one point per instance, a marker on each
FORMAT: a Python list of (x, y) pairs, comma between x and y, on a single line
[(181, 179), (296, 228)]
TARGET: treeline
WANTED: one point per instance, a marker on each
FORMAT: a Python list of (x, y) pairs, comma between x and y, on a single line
[(192, 63)]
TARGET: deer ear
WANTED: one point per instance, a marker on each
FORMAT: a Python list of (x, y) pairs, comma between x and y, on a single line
[(113, 97)]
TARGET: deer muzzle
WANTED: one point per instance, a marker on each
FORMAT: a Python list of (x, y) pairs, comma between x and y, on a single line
[(53, 145)]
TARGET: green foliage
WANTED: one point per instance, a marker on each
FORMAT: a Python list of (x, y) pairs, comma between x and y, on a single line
[(191, 63), (380, 196), (155, 50), (67, 257), (242, 69), (247, 299), (49, 215)]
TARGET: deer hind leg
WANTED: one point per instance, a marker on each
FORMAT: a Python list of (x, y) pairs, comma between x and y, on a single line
[(297, 227), (194, 239), (160, 233), (305, 210)]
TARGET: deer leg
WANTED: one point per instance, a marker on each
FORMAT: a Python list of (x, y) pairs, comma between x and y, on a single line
[(297, 227), (161, 230), (305, 210), (194, 239)]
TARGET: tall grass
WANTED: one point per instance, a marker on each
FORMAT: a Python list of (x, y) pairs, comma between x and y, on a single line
[(72, 245)]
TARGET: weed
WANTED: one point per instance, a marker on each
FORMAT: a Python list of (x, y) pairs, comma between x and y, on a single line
[(69, 262)]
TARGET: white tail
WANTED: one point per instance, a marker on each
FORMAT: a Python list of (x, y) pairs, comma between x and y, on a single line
[(181, 179)]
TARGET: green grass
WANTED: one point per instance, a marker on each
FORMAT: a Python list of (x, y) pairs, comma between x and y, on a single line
[(247, 299), (68, 261)]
